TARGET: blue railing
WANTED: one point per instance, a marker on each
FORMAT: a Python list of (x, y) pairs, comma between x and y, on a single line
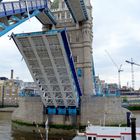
[(11, 8)]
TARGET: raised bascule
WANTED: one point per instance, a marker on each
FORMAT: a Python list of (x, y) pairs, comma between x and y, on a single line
[(59, 57), (50, 56)]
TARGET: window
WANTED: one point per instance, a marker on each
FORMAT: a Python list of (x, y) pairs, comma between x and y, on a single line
[(63, 5), (94, 138), (68, 14), (63, 15), (58, 16), (104, 139), (75, 59), (89, 138), (111, 139)]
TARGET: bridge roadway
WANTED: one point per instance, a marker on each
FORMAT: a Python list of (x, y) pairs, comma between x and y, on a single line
[(47, 54)]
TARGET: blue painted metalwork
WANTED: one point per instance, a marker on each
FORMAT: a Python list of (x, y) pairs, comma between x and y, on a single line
[(71, 11), (72, 111), (79, 72), (16, 7), (61, 111), (2, 25), (83, 8), (51, 32), (51, 111), (51, 16), (70, 59), (29, 92), (10, 27), (9, 10)]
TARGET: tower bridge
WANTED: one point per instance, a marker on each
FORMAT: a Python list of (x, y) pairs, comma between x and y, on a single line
[(59, 57), (50, 59), (52, 55)]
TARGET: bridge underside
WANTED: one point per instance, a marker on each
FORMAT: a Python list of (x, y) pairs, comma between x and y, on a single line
[(77, 9), (49, 59)]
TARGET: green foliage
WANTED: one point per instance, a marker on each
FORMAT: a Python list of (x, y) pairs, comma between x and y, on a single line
[(133, 107), (82, 128), (125, 99), (27, 124)]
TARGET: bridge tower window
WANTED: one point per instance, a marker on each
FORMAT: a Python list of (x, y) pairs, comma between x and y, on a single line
[(63, 5)]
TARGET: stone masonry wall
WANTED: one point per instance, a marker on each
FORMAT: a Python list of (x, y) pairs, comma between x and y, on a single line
[(100, 110), (97, 110), (30, 110)]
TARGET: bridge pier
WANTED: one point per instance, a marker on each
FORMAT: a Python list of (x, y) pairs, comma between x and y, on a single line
[(45, 49), (102, 110), (30, 111), (93, 109)]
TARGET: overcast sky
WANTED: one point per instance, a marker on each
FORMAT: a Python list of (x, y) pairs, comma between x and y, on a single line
[(116, 28)]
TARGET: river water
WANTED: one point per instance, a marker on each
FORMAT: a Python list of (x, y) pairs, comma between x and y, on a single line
[(9, 133)]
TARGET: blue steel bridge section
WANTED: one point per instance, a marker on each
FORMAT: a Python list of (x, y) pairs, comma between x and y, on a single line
[(77, 9), (47, 54), (14, 13)]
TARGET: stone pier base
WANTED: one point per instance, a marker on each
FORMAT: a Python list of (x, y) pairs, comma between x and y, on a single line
[(30, 111), (102, 110), (97, 110)]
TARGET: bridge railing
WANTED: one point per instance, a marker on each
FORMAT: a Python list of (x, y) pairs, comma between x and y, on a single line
[(15, 7)]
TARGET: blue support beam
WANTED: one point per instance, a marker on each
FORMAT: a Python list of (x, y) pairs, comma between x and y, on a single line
[(14, 13), (51, 111), (61, 110), (10, 27), (70, 59), (79, 9), (51, 16)]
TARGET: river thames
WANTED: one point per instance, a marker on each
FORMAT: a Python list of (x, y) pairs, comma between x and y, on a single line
[(7, 132)]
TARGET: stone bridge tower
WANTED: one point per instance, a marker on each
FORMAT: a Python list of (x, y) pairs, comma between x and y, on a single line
[(80, 37)]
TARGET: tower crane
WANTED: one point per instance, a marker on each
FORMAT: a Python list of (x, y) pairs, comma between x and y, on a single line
[(119, 69), (132, 71)]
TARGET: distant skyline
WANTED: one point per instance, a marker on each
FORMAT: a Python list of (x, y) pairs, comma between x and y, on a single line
[(116, 28)]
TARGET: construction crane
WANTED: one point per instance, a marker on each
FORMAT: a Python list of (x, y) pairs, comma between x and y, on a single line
[(119, 69), (132, 71)]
